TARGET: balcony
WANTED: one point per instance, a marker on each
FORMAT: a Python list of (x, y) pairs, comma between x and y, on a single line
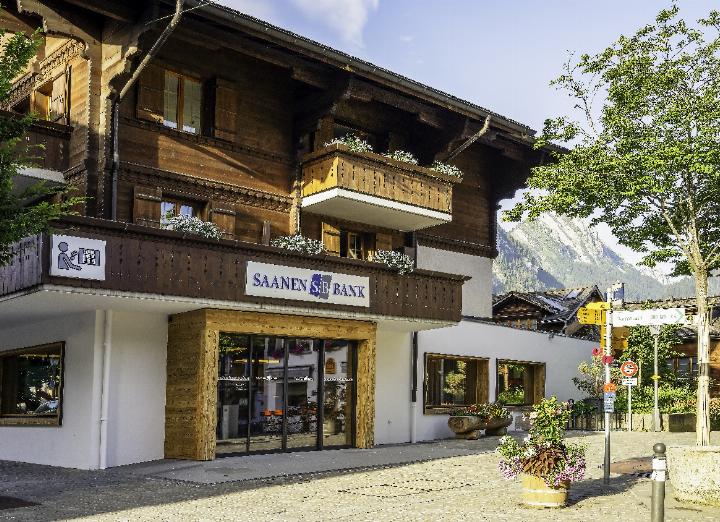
[(47, 146), (143, 260), (372, 189)]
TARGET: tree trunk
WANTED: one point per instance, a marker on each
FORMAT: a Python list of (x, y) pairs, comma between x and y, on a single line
[(702, 428)]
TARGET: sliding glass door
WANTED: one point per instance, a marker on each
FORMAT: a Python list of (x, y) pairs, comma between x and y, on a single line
[(270, 389)]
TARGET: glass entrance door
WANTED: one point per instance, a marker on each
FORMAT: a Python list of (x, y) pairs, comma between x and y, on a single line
[(270, 389)]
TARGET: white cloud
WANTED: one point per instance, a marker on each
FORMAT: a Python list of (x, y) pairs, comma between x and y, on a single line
[(347, 18), (407, 38)]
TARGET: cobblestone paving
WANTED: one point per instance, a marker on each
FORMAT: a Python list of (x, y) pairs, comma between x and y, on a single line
[(465, 487)]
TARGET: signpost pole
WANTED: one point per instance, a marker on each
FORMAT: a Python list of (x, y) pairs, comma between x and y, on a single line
[(608, 351), (656, 409), (629, 419)]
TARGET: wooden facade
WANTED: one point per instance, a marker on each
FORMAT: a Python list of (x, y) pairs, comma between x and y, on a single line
[(230, 122)]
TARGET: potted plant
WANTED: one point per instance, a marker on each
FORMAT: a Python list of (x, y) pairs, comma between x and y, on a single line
[(545, 462), (467, 422)]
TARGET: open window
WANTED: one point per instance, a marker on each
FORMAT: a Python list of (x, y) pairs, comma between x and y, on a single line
[(453, 381), (353, 244), (520, 383), (31, 382)]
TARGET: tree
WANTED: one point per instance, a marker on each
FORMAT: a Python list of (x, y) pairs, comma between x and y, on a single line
[(644, 155), (641, 349), (30, 211)]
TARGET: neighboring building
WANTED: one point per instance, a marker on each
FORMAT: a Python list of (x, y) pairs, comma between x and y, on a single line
[(123, 342), (685, 364), (547, 311)]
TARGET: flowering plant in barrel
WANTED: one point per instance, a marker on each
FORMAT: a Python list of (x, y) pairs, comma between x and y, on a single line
[(544, 459)]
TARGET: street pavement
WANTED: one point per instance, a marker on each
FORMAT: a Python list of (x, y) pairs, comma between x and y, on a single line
[(389, 483)]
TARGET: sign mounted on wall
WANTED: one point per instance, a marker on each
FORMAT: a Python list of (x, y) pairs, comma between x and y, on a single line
[(77, 257), (302, 284)]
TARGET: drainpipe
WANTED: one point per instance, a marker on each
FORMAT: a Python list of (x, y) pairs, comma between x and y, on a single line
[(105, 388), (414, 362), (115, 111)]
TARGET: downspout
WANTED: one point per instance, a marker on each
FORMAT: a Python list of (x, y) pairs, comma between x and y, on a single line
[(414, 362), (105, 388), (115, 112)]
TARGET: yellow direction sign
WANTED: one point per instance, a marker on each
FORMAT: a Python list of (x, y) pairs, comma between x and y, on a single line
[(598, 305), (587, 315), (619, 337)]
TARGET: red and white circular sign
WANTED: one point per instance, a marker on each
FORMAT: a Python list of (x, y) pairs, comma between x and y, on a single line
[(629, 368)]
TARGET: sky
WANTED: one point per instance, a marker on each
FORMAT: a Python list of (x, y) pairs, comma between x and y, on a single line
[(498, 54)]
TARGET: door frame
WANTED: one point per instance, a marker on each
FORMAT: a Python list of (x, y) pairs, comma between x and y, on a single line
[(192, 371), (319, 432)]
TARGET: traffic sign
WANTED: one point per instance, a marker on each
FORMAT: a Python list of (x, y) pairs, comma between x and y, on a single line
[(629, 381), (610, 387), (648, 317), (619, 337), (629, 368), (616, 294), (587, 315)]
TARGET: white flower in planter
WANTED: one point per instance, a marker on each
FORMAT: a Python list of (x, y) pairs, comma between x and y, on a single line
[(193, 225), (395, 260), (352, 142), (402, 155), (299, 243), (447, 169)]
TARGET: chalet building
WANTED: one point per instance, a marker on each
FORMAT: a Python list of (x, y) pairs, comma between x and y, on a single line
[(547, 311), (685, 363), (122, 341)]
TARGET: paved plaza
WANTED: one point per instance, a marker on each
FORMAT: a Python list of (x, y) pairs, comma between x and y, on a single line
[(444, 480)]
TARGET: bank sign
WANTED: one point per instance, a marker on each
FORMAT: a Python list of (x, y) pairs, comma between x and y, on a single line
[(77, 257), (300, 284)]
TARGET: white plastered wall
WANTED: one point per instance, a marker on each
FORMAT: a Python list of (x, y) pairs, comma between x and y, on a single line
[(392, 387), (136, 408), (561, 356), (477, 292), (68, 445)]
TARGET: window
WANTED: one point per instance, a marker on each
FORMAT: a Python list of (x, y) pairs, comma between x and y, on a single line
[(31, 385), (520, 383), (175, 207), (182, 99), (683, 367), (452, 381)]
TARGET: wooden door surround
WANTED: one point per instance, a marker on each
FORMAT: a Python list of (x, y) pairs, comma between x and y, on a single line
[(192, 370)]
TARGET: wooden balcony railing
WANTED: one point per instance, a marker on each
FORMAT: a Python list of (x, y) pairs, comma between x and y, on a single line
[(375, 175), (54, 141), (152, 261)]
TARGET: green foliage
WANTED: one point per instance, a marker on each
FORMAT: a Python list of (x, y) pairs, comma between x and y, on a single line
[(549, 419), (647, 161), (512, 396), (641, 345), (592, 377), (18, 218), (485, 411), (352, 142), (672, 398)]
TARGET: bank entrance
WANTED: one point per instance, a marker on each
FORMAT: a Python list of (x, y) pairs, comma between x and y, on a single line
[(284, 394)]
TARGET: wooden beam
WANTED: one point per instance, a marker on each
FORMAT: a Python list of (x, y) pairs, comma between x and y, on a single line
[(109, 8), (302, 70)]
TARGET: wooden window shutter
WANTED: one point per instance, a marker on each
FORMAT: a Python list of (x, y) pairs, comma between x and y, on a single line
[(223, 215), (331, 239), (538, 383), (146, 206), (151, 94), (383, 241), (226, 109)]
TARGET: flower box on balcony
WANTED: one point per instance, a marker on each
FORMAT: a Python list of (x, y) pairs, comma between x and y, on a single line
[(371, 188)]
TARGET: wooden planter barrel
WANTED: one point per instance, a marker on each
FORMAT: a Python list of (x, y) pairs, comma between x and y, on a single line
[(535, 493)]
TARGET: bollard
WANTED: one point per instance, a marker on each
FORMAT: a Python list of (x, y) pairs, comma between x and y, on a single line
[(659, 475)]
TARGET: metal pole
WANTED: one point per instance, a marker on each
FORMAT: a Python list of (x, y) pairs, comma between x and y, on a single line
[(629, 421), (656, 377), (659, 466), (608, 351)]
